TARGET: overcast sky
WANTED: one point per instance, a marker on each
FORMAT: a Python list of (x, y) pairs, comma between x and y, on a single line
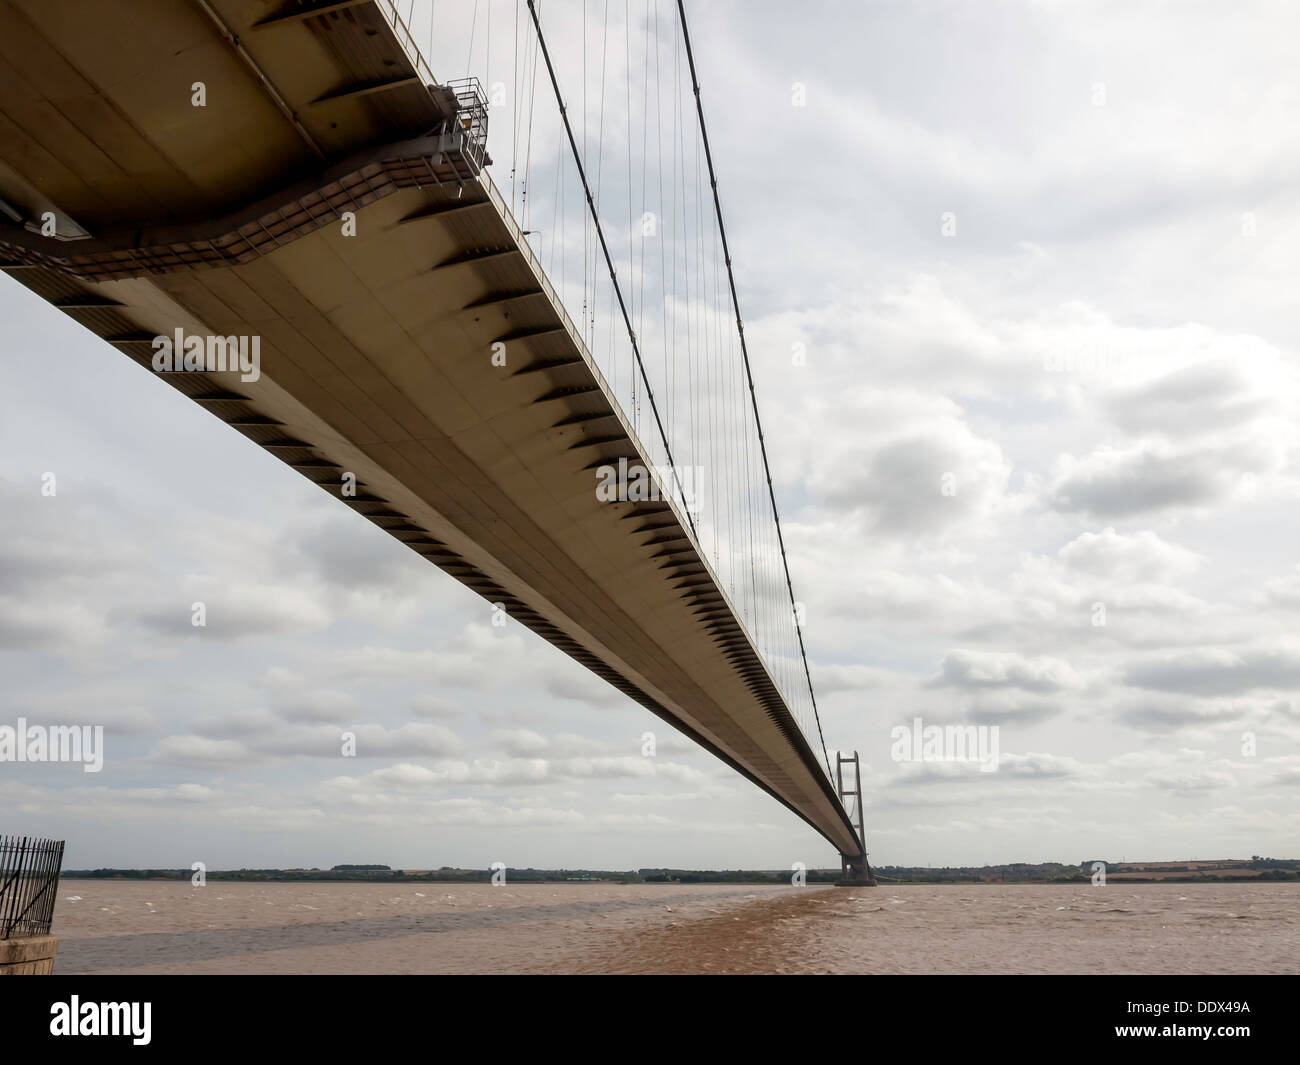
[(1101, 351)]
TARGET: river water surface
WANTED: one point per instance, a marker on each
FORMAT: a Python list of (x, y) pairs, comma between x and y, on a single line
[(172, 927)]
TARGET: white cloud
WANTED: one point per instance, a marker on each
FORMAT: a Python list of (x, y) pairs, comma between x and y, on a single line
[(989, 669)]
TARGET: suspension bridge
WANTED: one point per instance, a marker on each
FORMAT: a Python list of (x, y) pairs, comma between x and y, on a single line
[(523, 356)]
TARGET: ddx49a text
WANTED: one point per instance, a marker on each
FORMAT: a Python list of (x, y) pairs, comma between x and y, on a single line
[(1188, 1007)]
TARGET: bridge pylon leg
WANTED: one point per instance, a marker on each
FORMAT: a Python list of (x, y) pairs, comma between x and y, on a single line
[(855, 869), (855, 872)]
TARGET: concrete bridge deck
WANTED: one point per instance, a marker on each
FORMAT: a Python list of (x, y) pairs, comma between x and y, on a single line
[(376, 349)]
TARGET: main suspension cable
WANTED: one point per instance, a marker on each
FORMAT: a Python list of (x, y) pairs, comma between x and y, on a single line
[(744, 351), (609, 263)]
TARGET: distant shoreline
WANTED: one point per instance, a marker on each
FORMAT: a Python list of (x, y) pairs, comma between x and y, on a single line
[(1267, 870)]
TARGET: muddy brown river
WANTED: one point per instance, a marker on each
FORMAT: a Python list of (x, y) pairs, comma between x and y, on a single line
[(172, 927)]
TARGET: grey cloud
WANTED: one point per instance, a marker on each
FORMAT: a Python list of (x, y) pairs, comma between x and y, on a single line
[(201, 752), (1190, 780), (433, 706), (317, 707), (1161, 715), (1196, 400), (414, 740), (999, 709), (236, 612), (1218, 671), (1151, 477)]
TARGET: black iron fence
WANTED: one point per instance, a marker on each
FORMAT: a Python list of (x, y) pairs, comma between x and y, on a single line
[(29, 882)]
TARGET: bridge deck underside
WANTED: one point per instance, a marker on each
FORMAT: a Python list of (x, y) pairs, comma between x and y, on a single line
[(376, 348)]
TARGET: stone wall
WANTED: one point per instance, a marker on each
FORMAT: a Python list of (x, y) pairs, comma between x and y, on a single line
[(28, 955)]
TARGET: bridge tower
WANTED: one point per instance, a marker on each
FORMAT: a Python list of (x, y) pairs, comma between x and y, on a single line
[(855, 870)]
